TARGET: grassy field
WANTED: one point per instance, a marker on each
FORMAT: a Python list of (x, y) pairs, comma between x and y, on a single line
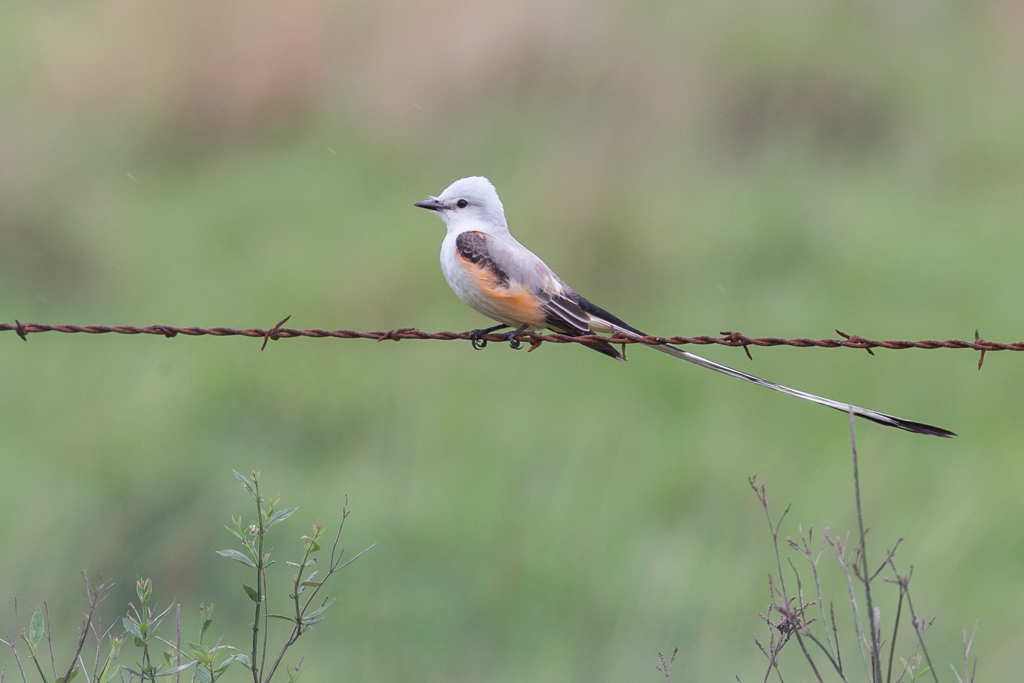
[(774, 168)]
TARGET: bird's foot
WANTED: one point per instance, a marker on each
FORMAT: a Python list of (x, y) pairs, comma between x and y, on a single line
[(510, 337), (475, 336)]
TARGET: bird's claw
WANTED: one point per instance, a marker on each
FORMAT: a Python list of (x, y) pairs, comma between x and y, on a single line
[(510, 337), (476, 336), (476, 341)]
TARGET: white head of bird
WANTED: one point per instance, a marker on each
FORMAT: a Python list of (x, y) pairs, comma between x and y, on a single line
[(469, 204)]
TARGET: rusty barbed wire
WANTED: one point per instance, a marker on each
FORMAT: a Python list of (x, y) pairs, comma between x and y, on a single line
[(533, 339)]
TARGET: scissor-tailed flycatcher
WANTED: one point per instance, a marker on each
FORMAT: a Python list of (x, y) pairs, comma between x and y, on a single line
[(499, 277)]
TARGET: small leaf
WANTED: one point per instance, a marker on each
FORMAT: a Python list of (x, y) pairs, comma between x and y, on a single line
[(143, 588), (176, 669), (245, 482), (317, 612), (237, 556), (195, 648), (159, 618), (251, 592), (243, 659), (311, 584), (132, 627), (37, 628), (280, 516), (313, 546), (203, 676)]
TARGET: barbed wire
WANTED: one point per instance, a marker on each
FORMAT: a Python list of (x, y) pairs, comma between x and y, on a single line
[(534, 339)]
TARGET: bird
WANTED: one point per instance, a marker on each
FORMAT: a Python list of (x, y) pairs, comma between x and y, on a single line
[(494, 274)]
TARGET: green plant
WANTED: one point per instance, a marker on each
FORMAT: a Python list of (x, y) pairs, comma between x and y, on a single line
[(253, 555), (207, 662)]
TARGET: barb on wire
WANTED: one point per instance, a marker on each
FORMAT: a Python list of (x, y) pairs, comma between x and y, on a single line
[(737, 339), (534, 339), (274, 333), (856, 338)]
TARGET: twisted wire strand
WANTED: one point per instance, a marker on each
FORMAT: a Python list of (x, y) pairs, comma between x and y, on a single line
[(534, 339)]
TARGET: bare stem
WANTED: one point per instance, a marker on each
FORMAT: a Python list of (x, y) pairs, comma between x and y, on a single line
[(876, 664), (177, 642), (895, 630), (919, 625), (260, 569), (95, 596)]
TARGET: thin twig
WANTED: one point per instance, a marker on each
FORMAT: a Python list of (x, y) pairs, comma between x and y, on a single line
[(801, 626), (888, 558), (177, 642), (49, 638), (876, 664), (257, 669), (813, 560), (835, 635), (895, 630), (85, 672), (96, 596), (968, 677), (841, 548), (773, 527), (664, 667), (919, 625)]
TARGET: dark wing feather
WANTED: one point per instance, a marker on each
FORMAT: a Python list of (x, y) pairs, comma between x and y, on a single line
[(599, 312), (472, 246), (565, 313)]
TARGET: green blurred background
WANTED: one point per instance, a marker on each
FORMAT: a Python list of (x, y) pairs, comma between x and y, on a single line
[(778, 168)]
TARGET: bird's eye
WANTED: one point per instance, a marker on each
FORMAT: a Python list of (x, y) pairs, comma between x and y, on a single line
[(462, 203)]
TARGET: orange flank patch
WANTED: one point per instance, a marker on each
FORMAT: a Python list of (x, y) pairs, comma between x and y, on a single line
[(519, 305), (515, 305)]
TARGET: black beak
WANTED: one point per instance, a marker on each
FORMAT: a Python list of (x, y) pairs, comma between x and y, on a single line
[(429, 203)]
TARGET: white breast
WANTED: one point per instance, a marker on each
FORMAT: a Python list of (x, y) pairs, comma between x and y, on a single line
[(463, 283)]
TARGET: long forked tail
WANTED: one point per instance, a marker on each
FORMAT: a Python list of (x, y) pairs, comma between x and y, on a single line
[(867, 414)]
